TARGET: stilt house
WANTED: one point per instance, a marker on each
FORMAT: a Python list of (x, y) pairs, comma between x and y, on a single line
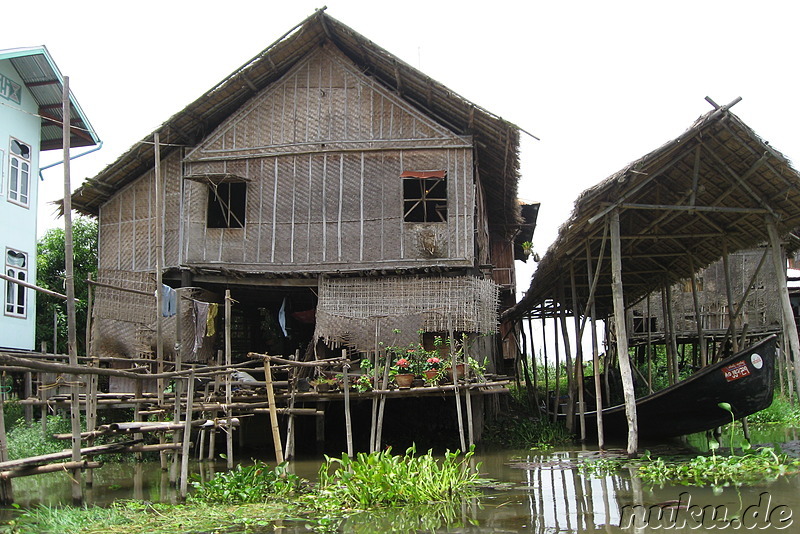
[(342, 196)]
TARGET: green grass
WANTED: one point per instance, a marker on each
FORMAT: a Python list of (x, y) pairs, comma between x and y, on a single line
[(133, 517)]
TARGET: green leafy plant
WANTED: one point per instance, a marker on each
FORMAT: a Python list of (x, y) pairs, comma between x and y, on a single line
[(382, 478), (753, 467), (246, 484)]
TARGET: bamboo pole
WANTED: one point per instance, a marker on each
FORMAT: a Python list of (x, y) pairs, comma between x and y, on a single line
[(598, 388), (622, 335), (228, 391), (535, 370), (729, 289), (557, 386), (544, 358), (75, 411), (348, 425), (567, 357), (290, 426), (457, 396), (790, 330), (578, 353), (648, 325), (187, 434), (468, 394), (697, 313), (273, 414), (74, 466), (6, 491)]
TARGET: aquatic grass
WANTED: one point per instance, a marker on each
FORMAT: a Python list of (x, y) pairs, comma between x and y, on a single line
[(246, 484), (781, 411), (385, 479), (600, 467), (527, 433), (136, 517), (752, 467)]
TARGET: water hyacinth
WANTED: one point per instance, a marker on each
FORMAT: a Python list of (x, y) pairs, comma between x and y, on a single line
[(384, 479)]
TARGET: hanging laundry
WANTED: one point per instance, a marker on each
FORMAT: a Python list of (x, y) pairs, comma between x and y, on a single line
[(211, 320), (200, 323), (282, 317), (169, 301)]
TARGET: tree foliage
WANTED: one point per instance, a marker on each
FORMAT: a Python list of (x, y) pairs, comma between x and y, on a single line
[(51, 274)]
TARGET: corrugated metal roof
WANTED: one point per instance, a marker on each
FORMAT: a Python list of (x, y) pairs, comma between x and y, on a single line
[(42, 78)]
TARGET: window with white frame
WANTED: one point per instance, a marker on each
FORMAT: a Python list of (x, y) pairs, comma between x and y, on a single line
[(19, 173), (16, 268)]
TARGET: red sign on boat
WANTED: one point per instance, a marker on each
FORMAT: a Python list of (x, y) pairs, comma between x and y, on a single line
[(735, 371)]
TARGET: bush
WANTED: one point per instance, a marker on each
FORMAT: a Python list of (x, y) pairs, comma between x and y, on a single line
[(780, 411), (26, 440)]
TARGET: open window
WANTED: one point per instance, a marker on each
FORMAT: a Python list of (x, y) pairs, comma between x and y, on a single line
[(226, 205), (19, 173), (17, 268), (227, 199), (424, 196)]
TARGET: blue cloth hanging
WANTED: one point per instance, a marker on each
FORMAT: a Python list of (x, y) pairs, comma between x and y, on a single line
[(169, 301)]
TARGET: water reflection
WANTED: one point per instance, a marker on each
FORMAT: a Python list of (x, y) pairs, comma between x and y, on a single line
[(538, 492)]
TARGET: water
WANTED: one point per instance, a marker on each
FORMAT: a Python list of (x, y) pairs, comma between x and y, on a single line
[(538, 492)]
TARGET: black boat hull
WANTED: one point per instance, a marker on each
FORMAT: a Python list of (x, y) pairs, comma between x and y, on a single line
[(743, 380)]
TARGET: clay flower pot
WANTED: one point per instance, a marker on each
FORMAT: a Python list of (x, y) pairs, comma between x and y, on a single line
[(404, 380)]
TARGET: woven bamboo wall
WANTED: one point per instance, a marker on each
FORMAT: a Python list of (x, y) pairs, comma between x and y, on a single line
[(761, 309), (350, 309), (127, 231), (323, 150), (124, 323)]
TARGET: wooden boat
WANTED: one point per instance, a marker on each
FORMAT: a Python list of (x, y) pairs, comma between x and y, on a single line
[(743, 380)]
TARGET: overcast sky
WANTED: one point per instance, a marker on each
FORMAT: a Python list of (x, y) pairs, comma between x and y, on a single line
[(601, 83)]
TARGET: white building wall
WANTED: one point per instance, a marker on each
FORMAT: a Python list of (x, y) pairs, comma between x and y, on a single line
[(18, 223)]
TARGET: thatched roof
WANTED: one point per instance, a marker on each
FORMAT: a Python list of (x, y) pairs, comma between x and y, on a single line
[(678, 207), (497, 140)]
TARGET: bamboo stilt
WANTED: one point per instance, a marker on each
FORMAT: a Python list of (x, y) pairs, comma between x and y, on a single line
[(535, 370), (228, 391), (468, 397), (557, 379), (779, 264), (598, 389), (348, 426), (187, 434), (273, 414), (75, 411), (6, 491), (622, 335), (457, 396), (567, 357), (578, 355)]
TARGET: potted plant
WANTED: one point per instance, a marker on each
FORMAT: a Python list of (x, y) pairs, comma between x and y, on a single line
[(433, 365), (401, 372), (323, 384), (527, 248)]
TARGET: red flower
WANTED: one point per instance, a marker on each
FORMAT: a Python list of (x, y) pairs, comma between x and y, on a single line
[(402, 362)]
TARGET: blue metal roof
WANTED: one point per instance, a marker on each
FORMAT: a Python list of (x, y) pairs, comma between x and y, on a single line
[(42, 78)]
